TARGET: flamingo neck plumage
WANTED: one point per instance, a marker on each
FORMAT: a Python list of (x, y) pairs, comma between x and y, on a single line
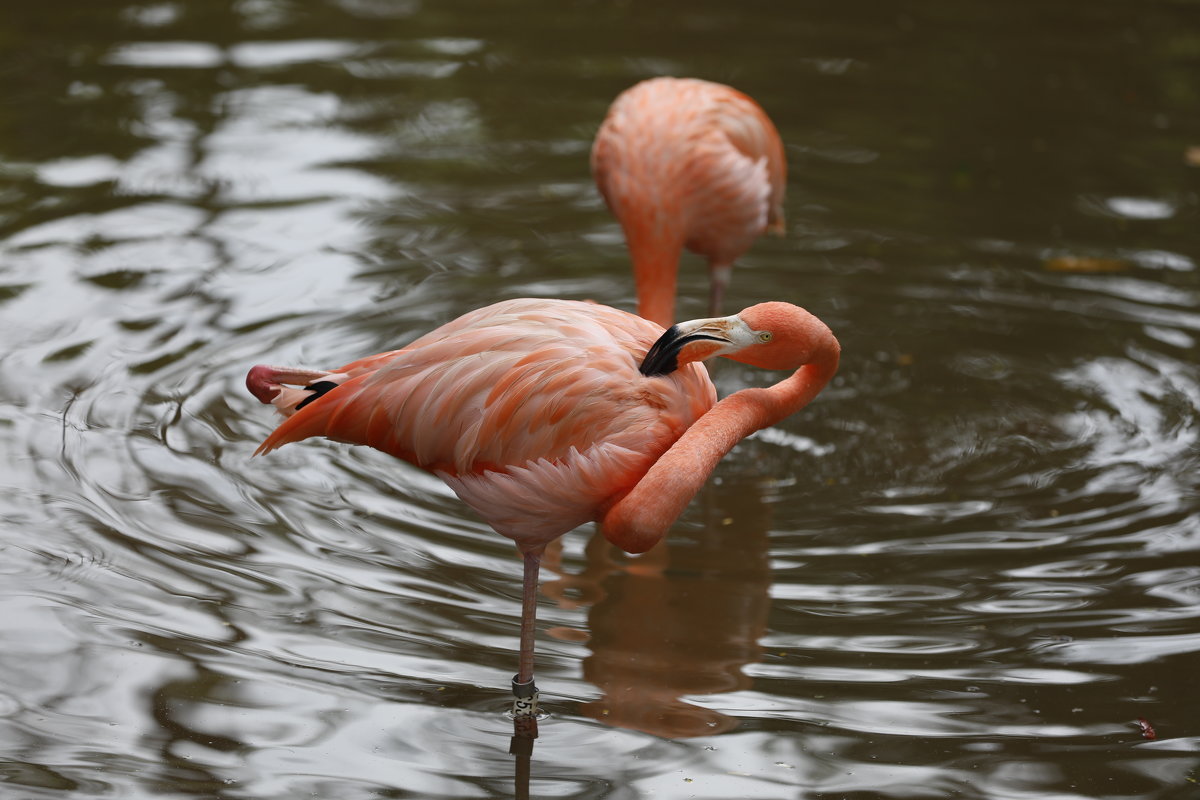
[(642, 517), (655, 254)]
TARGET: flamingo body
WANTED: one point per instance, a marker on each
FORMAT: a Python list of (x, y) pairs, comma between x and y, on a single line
[(688, 163), (544, 414), (533, 411)]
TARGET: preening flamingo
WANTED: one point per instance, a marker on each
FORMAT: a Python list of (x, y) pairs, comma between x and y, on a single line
[(688, 163), (542, 415)]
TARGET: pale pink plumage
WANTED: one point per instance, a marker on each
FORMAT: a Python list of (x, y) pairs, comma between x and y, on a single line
[(688, 163), (533, 411), (536, 414)]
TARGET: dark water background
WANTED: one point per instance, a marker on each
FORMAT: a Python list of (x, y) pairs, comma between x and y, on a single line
[(965, 571)]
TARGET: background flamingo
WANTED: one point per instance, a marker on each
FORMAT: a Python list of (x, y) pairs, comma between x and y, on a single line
[(683, 162), (544, 414)]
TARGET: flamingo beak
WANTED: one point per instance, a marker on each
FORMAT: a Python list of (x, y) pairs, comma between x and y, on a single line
[(685, 342)]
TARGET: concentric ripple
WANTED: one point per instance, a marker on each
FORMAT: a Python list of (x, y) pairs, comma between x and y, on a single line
[(969, 569)]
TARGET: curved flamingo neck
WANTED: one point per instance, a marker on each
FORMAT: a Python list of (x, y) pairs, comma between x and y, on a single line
[(642, 517)]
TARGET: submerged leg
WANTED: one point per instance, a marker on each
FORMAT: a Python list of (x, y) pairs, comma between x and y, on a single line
[(521, 748), (525, 693)]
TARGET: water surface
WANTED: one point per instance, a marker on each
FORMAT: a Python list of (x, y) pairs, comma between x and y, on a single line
[(967, 570)]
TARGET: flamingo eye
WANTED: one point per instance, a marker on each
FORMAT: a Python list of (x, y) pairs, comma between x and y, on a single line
[(764, 337)]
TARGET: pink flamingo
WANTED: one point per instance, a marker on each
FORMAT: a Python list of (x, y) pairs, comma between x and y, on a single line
[(542, 415), (688, 163)]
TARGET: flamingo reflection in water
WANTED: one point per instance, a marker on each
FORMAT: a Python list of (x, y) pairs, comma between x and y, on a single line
[(680, 620)]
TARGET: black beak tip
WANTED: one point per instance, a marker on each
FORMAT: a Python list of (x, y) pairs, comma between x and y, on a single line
[(661, 358)]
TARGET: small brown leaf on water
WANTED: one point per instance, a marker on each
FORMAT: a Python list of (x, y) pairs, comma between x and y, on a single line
[(1191, 156), (1085, 264), (1146, 728)]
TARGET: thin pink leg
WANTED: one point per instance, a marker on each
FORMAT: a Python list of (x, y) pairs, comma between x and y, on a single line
[(718, 281), (525, 702)]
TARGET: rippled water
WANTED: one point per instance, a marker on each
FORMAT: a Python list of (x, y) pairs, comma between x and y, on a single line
[(967, 570)]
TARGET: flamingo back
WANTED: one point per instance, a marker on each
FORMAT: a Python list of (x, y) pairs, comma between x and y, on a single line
[(533, 411), (693, 160)]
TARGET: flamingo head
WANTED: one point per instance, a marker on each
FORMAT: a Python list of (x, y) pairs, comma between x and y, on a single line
[(770, 335)]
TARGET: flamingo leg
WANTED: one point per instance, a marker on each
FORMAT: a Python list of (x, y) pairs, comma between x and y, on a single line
[(525, 693), (718, 280)]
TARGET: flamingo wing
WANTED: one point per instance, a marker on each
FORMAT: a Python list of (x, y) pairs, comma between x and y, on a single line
[(514, 405), (751, 132)]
